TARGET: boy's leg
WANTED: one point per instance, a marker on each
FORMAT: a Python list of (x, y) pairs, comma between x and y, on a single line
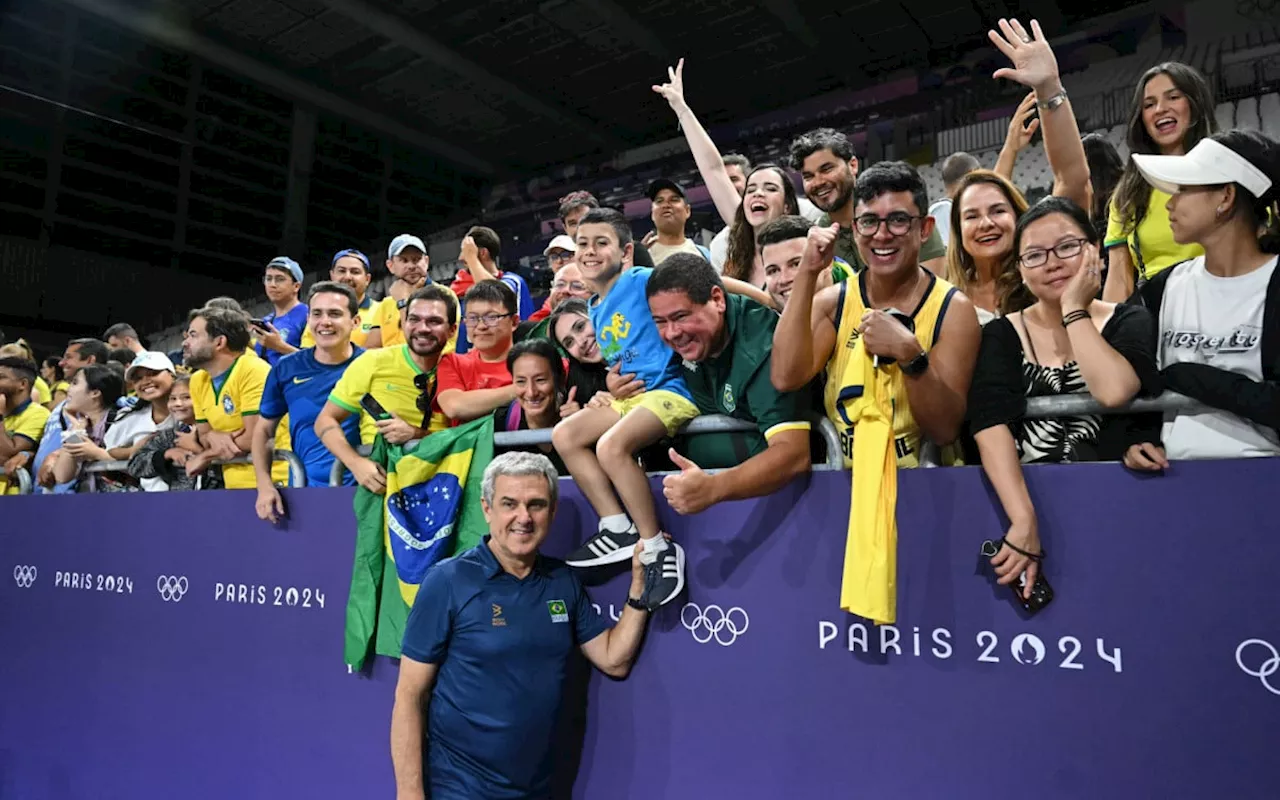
[(616, 452), (575, 440)]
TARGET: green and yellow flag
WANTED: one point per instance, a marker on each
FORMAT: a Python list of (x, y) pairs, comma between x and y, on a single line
[(430, 512)]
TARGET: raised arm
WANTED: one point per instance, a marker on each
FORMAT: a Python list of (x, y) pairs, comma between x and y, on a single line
[(806, 333), (1035, 67), (705, 153), (735, 286), (1021, 128)]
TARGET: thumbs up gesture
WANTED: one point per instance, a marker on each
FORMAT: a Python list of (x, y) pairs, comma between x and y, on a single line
[(691, 491)]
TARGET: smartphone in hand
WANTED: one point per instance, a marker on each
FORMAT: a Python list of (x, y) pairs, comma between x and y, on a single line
[(373, 408), (1041, 592)]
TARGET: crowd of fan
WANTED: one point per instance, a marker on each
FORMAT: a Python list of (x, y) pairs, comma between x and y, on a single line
[(1131, 279)]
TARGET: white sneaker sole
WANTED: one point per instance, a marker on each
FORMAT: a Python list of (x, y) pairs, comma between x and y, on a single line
[(621, 554)]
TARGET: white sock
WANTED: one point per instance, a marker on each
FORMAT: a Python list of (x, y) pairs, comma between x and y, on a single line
[(650, 549), (618, 523)]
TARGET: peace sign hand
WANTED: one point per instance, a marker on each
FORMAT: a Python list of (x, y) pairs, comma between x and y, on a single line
[(1034, 64), (673, 89)]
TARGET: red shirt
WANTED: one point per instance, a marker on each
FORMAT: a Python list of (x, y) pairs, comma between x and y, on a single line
[(468, 373), (464, 280), (542, 313)]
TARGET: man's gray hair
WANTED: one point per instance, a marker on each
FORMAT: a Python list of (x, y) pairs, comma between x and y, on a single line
[(516, 464)]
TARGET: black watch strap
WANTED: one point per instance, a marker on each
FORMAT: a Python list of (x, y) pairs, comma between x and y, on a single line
[(916, 366), (636, 604)]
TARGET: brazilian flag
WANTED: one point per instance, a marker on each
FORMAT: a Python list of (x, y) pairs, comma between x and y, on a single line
[(430, 512)]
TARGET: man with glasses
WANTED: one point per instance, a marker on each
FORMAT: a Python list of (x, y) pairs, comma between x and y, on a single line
[(828, 169), (280, 332), (478, 382), (915, 325), (559, 253), (568, 283), (400, 379)]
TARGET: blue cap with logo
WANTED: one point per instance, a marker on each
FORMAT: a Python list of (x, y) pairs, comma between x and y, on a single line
[(286, 264), (356, 254), (402, 241)]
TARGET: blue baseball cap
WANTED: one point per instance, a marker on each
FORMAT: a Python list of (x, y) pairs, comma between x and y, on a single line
[(402, 241), (286, 264), (354, 254)]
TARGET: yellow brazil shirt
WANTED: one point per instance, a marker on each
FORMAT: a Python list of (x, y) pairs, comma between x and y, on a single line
[(386, 316), (27, 422), (225, 401), (358, 334), (389, 374), (41, 393), (1154, 236)]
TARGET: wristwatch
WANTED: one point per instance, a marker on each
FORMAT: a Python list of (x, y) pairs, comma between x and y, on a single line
[(1051, 103), (916, 366), (637, 605)]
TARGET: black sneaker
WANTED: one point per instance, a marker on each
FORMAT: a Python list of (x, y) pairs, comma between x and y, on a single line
[(606, 547), (664, 578)]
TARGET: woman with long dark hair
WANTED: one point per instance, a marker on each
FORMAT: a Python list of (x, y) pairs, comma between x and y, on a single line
[(1065, 342), (769, 192), (1219, 314), (1172, 111), (1105, 168)]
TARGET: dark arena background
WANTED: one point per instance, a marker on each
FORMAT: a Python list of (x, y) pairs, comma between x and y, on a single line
[(155, 154)]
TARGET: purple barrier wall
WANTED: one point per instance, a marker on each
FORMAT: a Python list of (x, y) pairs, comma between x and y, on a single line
[(175, 646)]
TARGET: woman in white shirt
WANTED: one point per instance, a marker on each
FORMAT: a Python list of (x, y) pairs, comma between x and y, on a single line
[(1219, 314), (152, 375)]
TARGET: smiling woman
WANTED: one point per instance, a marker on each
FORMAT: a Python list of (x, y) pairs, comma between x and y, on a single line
[(1172, 111)]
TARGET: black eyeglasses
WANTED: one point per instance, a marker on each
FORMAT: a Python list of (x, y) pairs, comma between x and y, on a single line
[(425, 383), (489, 320), (1038, 257), (899, 222)]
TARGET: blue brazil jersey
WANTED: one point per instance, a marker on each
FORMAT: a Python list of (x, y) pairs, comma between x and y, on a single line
[(299, 386)]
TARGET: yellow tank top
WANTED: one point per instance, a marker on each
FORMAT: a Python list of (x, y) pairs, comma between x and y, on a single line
[(844, 383)]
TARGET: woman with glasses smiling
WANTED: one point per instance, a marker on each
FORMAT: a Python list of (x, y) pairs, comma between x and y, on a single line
[(1066, 342)]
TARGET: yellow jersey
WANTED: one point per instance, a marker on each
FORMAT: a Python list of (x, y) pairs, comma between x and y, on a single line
[(26, 422), (1154, 235), (844, 378), (225, 401), (358, 334), (40, 392), (391, 376)]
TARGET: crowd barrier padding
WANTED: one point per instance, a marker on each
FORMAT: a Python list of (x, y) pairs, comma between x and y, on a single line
[(167, 645)]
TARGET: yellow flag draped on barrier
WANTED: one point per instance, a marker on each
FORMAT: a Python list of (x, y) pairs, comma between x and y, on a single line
[(870, 584)]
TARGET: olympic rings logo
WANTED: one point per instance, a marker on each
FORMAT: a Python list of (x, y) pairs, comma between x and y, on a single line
[(171, 587), (1266, 669), (24, 576), (714, 622)]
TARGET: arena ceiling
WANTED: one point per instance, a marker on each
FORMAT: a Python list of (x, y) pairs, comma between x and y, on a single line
[(504, 87)]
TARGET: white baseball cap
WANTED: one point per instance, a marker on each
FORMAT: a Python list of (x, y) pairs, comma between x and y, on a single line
[(561, 242), (1209, 163), (402, 241), (152, 360)]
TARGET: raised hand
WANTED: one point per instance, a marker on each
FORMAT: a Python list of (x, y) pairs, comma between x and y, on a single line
[(1034, 64), (673, 89), (1023, 125)]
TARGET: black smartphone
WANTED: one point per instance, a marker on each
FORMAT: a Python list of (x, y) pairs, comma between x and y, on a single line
[(258, 323), (1041, 592), (373, 407), (184, 428)]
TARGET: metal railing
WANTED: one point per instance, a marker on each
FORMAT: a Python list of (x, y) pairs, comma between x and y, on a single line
[(297, 472), (1074, 405), (711, 423), (23, 479)]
